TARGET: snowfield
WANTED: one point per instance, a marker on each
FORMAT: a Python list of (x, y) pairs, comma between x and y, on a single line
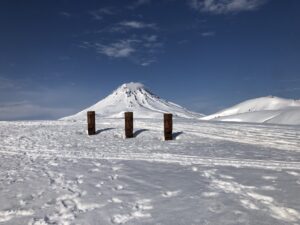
[(52, 172), (271, 109)]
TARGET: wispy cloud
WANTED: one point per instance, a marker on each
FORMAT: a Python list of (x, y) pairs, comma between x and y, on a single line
[(150, 38), (208, 34), (135, 40), (147, 62), (65, 14), (140, 50), (126, 26), (226, 6), (100, 13), (138, 3), (120, 49), (137, 24)]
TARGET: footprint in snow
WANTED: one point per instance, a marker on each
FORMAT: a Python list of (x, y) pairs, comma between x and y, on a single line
[(114, 177), (116, 168), (94, 170), (168, 194), (97, 164), (216, 207), (194, 168), (210, 194), (269, 177), (116, 200), (118, 188), (13, 213), (293, 173), (139, 211), (268, 188), (79, 179)]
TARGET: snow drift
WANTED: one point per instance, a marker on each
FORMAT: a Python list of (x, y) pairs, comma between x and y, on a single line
[(136, 98), (261, 110)]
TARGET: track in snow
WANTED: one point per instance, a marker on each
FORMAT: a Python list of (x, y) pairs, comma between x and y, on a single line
[(164, 158)]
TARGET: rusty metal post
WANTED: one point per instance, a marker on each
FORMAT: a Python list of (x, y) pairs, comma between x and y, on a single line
[(128, 124), (91, 120), (168, 126)]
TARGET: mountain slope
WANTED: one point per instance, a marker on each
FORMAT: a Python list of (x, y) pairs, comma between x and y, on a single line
[(136, 98), (261, 110)]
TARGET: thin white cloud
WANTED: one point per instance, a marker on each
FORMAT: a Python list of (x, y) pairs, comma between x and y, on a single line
[(139, 3), (147, 62), (151, 38), (65, 14), (125, 26), (100, 13), (137, 24), (226, 6), (208, 34), (140, 47), (140, 50), (120, 49)]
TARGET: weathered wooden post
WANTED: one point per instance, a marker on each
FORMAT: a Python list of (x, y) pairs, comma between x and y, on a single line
[(168, 126), (128, 124), (91, 122)]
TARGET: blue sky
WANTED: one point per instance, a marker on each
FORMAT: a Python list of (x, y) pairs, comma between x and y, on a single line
[(58, 57)]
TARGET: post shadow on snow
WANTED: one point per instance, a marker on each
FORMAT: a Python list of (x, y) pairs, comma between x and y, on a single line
[(105, 129), (138, 132), (176, 134)]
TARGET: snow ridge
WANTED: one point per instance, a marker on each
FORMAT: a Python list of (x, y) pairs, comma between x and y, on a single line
[(268, 109)]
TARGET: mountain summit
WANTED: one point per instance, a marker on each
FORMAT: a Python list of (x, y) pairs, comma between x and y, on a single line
[(136, 98)]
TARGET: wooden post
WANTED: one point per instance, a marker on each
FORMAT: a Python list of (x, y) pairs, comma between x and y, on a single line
[(168, 126), (128, 124), (91, 122)]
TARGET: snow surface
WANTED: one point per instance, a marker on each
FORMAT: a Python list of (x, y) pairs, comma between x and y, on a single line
[(136, 98), (261, 110), (51, 172)]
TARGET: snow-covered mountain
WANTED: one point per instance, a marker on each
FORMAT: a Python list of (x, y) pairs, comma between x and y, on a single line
[(136, 98), (261, 110)]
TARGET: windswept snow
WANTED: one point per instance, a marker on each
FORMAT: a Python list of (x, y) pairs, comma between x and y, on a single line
[(52, 172), (261, 110), (136, 98)]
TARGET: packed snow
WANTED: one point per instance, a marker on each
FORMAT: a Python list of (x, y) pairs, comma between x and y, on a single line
[(52, 172), (261, 110), (134, 97)]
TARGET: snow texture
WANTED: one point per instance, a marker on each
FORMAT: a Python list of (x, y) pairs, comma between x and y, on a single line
[(52, 172)]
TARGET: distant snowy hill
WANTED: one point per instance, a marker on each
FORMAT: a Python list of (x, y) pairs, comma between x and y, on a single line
[(261, 110), (136, 98)]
